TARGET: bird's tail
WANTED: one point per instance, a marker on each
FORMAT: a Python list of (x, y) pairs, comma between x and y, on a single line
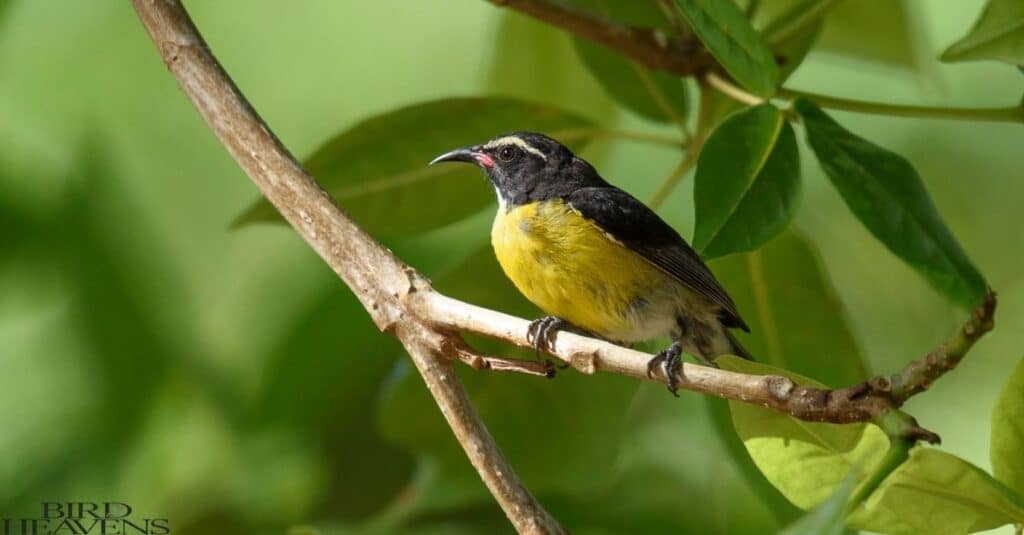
[(737, 347)]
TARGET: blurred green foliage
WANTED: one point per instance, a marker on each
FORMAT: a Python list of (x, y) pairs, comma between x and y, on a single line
[(227, 381)]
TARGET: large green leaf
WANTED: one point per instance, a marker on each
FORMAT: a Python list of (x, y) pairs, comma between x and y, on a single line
[(1007, 448), (997, 34), (932, 492), (797, 321), (747, 182), (885, 192), (651, 94), (829, 518), (730, 38), (377, 170)]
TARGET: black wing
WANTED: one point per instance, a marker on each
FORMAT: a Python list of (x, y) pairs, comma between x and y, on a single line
[(634, 224)]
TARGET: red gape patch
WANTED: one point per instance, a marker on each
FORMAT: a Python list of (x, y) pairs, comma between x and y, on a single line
[(484, 160)]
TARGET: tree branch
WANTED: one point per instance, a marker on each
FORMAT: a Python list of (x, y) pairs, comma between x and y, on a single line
[(645, 46), (688, 57), (869, 401), (402, 303), (378, 278)]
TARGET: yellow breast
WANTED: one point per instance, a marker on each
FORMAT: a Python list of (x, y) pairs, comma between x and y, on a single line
[(570, 268)]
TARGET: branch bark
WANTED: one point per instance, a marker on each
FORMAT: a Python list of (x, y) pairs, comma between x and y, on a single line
[(380, 281), (402, 303), (685, 56)]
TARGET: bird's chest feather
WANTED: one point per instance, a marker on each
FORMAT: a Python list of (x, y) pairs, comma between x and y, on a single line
[(569, 268)]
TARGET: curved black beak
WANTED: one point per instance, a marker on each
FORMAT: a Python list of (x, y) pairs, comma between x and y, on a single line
[(465, 154)]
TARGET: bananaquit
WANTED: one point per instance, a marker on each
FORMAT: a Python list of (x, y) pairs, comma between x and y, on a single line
[(597, 259)]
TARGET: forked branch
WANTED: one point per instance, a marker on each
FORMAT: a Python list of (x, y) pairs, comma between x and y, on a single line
[(402, 303)]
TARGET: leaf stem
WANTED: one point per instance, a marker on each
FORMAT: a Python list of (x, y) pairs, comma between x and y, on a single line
[(1009, 114), (673, 180), (900, 427)]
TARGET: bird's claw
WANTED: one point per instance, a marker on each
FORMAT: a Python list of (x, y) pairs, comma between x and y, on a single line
[(670, 361), (541, 332)]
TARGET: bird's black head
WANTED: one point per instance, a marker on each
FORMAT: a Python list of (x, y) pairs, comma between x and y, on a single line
[(526, 167)]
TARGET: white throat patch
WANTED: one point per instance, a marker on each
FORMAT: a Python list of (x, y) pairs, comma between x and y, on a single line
[(513, 140)]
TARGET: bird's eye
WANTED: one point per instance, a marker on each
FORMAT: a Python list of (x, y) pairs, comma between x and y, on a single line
[(507, 154)]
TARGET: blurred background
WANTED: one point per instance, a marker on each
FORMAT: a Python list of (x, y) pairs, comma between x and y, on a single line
[(226, 380)]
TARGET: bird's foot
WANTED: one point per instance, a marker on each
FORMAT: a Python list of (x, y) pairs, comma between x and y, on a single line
[(541, 332), (670, 362)]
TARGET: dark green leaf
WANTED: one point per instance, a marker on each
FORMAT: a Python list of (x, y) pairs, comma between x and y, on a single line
[(797, 322), (747, 182), (885, 192), (651, 94), (1008, 432), (997, 34), (829, 518), (377, 170), (933, 492), (730, 38), (790, 45)]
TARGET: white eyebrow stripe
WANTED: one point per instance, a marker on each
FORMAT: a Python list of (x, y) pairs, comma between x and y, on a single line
[(513, 140)]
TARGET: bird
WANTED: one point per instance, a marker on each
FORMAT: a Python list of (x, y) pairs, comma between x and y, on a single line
[(597, 260)]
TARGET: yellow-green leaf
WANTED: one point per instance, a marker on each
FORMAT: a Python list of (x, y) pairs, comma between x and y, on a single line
[(932, 492), (1007, 447)]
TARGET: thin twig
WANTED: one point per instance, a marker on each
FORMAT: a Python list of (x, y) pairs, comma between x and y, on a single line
[(732, 90), (864, 402), (1008, 114), (377, 277)]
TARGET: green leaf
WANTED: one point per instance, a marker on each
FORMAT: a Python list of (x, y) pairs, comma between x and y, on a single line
[(377, 170), (651, 94), (997, 34), (829, 518), (885, 192), (795, 316), (797, 321), (933, 492), (730, 38), (747, 182), (789, 46), (1007, 447), (936, 492)]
